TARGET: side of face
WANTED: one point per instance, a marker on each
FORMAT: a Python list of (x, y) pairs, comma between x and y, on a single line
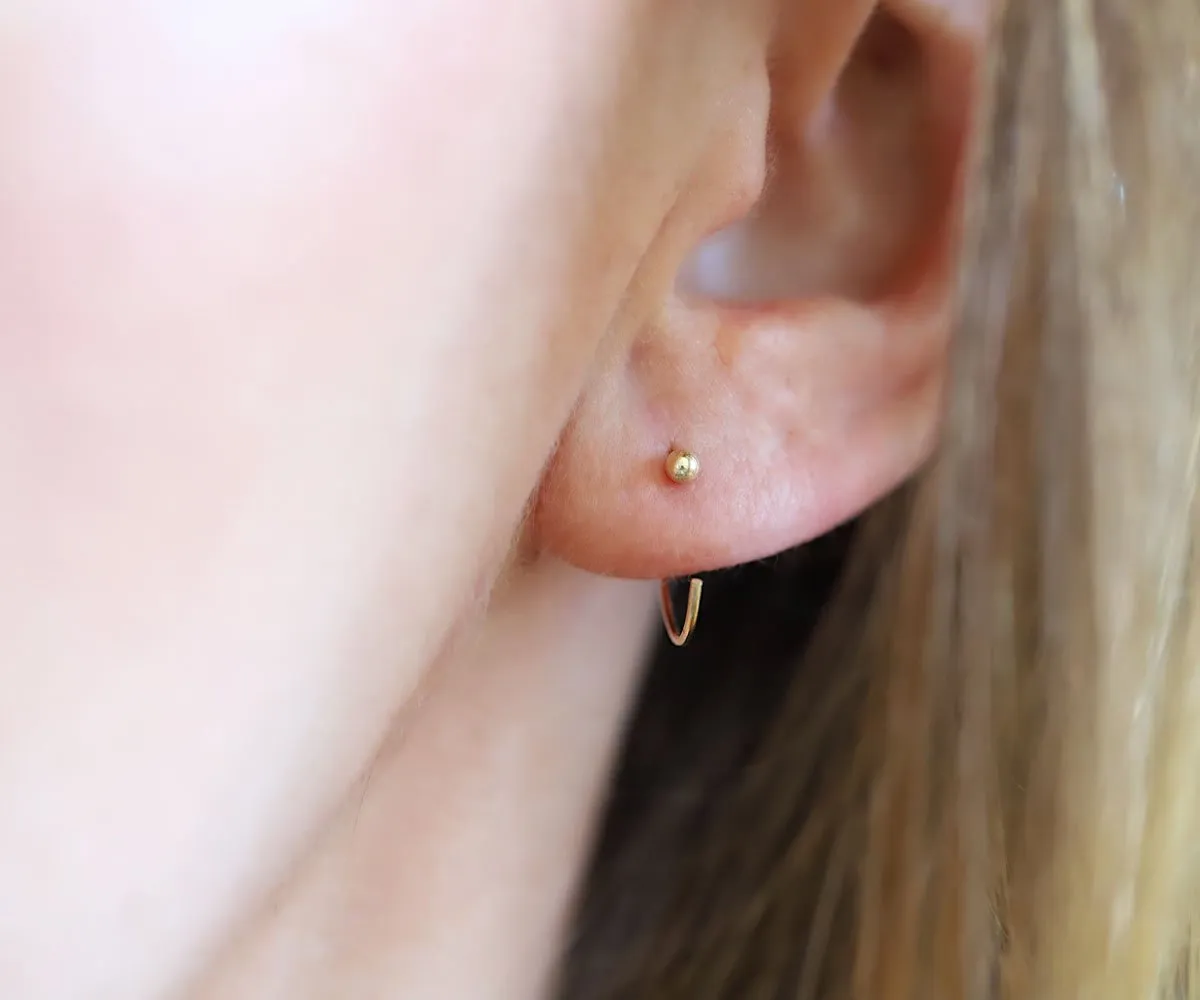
[(719, 225), (305, 303)]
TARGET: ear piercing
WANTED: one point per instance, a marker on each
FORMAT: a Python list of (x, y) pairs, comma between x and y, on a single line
[(682, 467)]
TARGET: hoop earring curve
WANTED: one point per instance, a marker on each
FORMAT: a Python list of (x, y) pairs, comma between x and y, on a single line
[(680, 636)]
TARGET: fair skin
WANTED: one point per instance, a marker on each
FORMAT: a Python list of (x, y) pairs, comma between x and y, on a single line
[(342, 344)]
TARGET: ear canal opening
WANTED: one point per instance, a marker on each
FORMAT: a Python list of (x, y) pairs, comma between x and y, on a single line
[(858, 184)]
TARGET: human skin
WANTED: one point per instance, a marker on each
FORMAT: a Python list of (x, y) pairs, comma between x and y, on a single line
[(339, 352)]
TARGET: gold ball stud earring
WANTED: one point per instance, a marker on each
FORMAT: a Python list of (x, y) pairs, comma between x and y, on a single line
[(682, 467)]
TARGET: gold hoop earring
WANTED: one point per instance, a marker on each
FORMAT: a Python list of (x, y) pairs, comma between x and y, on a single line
[(682, 467), (680, 636)]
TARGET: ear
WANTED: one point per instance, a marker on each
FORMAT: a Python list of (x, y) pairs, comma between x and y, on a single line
[(798, 352)]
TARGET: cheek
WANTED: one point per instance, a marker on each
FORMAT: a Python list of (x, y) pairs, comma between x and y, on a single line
[(233, 231), (220, 220), (201, 179), (189, 154), (241, 247)]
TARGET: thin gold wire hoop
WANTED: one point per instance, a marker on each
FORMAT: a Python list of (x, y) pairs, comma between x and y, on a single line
[(680, 636)]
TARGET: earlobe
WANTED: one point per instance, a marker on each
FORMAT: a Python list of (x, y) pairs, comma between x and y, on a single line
[(800, 355)]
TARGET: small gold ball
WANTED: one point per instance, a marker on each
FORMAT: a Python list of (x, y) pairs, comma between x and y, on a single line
[(682, 467)]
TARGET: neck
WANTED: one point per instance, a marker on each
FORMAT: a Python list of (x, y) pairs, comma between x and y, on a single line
[(451, 870)]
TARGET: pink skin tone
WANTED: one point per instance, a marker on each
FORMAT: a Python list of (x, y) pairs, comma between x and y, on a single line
[(340, 347)]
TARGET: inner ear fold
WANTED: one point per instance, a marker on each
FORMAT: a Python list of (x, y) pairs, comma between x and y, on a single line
[(863, 175)]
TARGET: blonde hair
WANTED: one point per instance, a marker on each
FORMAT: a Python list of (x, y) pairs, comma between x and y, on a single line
[(997, 792), (1034, 814)]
